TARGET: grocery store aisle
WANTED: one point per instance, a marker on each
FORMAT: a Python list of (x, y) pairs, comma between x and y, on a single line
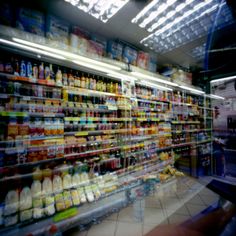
[(172, 203)]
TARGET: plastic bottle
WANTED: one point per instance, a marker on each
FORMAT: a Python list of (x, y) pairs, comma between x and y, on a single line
[(52, 74), (41, 71), (22, 69), (59, 77), (47, 73), (29, 69), (35, 71)]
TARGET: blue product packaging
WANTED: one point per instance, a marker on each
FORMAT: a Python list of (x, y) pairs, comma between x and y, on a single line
[(22, 69), (152, 65), (57, 30), (31, 21), (114, 50), (29, 70), (130, 55)]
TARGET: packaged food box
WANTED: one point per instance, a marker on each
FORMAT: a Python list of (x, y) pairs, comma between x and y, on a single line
[(57, 30), (6, 14), (78, 44), (31, 21), (101, 41), (114, 50), (143, 60), (130, 55), (152, 64), (80, 32), (94, 49)]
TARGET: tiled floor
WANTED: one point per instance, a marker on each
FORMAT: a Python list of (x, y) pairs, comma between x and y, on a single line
[(173, 204)]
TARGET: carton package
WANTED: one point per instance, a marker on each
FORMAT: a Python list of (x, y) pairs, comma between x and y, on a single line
[(57, 31), (94, 49), (114, 50), (101, 41), (78, 44), (152, 64), (31, 21), (143, 60), (130, 55)]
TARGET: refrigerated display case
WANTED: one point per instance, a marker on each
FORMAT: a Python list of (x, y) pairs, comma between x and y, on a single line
[(76, 143)]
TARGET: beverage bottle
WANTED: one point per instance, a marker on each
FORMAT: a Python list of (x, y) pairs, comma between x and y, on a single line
[(29, 69), (41, 71), (22, 69)]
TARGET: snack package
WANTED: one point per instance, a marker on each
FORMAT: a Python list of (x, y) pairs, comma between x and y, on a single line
[(11, 202), (57, 31), (114, 50), (31, 21), (25, 199), (130, 55)]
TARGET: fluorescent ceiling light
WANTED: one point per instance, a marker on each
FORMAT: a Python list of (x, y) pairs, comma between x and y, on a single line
[(152, 85), (192, 89), (38, 51), (94, 67), (144, 11), (122, 76), (100, 9), (69, 55), (223, 79), (143, 76), (215, 96), (185, 15)]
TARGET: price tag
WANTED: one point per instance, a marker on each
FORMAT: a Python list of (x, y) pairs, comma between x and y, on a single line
[(84, 133), (26, 98)]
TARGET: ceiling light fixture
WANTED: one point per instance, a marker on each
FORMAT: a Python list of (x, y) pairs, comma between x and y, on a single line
[(214, 96), (100, 9), (144, 11), (148, 77), (121, 76), (152, 85), (185, 15), (38, 51), (91, 66), (191, 89), (69, 55), (223, 79)]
